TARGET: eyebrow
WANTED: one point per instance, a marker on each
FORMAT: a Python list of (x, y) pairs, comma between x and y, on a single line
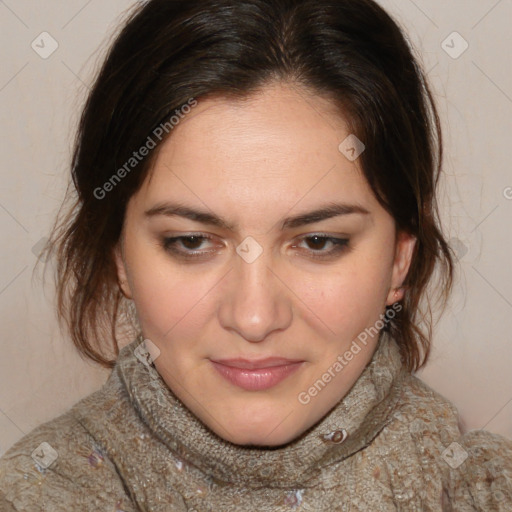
[(327, 211)]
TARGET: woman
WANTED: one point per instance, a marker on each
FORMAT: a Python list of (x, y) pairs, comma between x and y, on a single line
[(257, 179)]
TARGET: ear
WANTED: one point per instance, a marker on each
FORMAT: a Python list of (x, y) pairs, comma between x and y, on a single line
[(122, 276), (405, 244)]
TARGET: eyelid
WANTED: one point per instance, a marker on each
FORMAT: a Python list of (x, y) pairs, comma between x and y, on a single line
[(167, 242), (207, 236), (323, 234), (339, 241), (341, 244)]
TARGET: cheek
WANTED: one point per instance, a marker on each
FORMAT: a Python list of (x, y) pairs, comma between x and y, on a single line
[(166, 298), (348, 300)]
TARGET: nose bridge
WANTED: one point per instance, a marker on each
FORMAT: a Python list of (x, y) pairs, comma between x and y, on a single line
[(256, 304)]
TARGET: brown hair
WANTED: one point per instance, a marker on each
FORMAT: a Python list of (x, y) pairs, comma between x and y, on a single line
[(169, 51)]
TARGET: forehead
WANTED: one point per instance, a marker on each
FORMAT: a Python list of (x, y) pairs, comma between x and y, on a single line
[(282, 117), (277, 147)]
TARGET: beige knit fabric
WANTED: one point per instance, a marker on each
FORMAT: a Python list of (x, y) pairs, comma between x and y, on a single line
[(133, 446)]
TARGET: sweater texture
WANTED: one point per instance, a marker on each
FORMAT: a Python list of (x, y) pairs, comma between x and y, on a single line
[(391, 444)]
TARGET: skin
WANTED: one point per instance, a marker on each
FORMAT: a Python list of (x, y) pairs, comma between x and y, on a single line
[(253, 163)]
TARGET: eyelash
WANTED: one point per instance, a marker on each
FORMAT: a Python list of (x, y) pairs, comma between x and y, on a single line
[(341, 245)]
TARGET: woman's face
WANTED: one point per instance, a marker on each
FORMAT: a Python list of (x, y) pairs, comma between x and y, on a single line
[(253, 277)]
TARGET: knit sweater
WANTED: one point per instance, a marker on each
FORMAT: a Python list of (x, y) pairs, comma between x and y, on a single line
[(391, 444)]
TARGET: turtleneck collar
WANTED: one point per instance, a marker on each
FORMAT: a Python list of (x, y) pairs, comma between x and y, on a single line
[(345, 429)]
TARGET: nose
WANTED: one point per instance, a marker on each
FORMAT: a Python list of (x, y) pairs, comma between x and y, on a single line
[(256, 301)]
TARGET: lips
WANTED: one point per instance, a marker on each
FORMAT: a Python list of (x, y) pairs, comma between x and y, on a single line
[(256, 375), (268, 362)]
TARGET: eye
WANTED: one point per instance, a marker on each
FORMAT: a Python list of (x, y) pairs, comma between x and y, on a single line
[(317, 245), (193, 246), (186, 246)]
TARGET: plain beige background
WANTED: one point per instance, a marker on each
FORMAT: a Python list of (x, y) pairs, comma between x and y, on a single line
[(40, 98)]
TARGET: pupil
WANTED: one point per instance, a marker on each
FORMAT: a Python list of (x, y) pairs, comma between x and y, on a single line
[(317, 240), (192, 239)]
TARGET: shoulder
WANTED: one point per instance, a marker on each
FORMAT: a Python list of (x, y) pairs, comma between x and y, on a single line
[(424, 415), (429, 407), (480, 471), (419, 425), (58, 466), (475, 468), (6, 506)]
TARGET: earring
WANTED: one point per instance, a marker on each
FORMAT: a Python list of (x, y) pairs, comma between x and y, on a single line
[(397, 292)]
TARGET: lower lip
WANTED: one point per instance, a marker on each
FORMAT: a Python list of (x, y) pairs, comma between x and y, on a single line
[(257, 379)]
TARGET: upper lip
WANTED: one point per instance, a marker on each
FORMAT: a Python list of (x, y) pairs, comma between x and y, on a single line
[(251, 364)]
